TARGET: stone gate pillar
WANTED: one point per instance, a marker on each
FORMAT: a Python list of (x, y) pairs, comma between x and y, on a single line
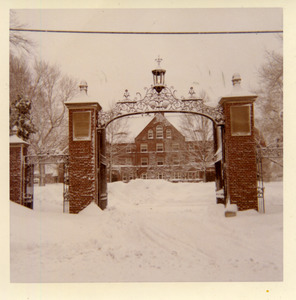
[(240, 147), (83, 150), (18, 151)]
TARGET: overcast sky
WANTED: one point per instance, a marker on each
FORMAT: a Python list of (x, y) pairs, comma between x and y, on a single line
[(112, 63)]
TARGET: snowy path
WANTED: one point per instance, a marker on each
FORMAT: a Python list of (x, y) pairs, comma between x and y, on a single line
[(151, 231)]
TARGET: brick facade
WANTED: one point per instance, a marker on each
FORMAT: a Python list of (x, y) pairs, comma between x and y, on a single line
[(18, 149), (83, 153), (159, 151)]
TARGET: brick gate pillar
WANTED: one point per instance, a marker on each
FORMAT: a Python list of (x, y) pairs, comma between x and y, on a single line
[(240, 147), (18, 150), (83, 150)]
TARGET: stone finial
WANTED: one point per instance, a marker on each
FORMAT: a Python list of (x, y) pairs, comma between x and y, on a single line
[(83, 86), (236, 79), (14, 130)]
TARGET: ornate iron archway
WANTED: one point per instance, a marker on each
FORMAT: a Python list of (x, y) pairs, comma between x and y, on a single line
[(159, 98), (164, 101)]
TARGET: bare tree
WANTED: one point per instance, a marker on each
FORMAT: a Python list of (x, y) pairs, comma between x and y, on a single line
[(19, 97), (50, 90), (270, 107), (117, 132), (199, 130), (19, 81), (19, 43), (270, 100)]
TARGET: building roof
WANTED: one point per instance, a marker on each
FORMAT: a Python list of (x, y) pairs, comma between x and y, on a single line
[(82, 97), (159, 118), (237, 90), (14, 139)]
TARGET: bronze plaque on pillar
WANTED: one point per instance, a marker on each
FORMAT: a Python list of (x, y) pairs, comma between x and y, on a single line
[(240, 117), (81, 126)]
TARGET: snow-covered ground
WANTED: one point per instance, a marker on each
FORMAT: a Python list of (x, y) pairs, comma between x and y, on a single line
[(152, 230)]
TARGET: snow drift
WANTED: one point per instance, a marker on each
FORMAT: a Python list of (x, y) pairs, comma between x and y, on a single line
[(152, 231)]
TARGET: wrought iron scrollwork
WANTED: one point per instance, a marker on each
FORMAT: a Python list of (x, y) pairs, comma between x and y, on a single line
[(165, 101), (270, 152), (47, 159)]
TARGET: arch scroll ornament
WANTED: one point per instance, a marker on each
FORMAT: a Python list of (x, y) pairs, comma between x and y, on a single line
[(163, 101)]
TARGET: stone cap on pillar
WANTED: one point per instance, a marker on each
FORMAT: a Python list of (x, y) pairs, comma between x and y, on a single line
[(238, 93), (15, 140), (83, 99)]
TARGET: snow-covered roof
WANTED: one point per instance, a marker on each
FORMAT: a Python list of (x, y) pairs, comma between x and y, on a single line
[(82, 97), (14, 139), (237, 91)]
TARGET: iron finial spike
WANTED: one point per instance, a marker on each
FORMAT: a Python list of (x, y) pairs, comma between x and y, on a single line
[(158, 60)]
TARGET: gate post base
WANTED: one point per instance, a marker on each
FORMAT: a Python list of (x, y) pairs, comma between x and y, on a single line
[(103, 202)]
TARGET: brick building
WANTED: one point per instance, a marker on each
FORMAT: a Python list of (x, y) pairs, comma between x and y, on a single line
[(159, 151)]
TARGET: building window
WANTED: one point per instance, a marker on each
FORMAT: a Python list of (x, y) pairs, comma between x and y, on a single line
[(150, 134), (240, 117), (168, 134), (144, 175), (191, 175), (159, 147), (160, 176), (176, 160), (160, 161), (144, 148), (176, 147), (159, 132), (129, 149), (177, 175), (81, 126), (144, 161)]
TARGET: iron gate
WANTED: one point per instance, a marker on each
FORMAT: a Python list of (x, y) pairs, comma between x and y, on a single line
[(30, 163), (28, 188), (270, 153)]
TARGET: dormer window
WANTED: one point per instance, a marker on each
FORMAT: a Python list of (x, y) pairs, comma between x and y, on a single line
[(168, 134), (150, 134), (159, 132)]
